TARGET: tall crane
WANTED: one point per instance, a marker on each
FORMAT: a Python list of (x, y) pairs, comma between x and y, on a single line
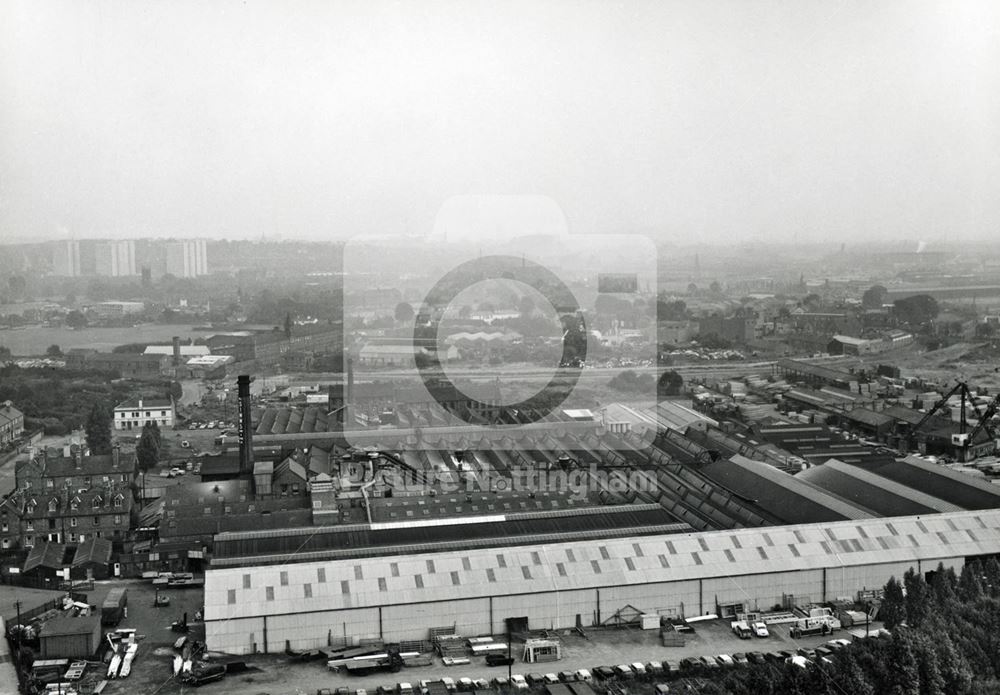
[(965, 436)]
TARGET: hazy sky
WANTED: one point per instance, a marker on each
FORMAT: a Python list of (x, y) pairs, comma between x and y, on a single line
[(703, 120)]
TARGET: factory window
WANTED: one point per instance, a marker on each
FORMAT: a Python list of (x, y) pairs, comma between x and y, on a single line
[(501, 561), (561, 569), (345, 587), (269, 593), (795, 551), (231, 600), (430, 567), (535, 558), (394, 569), (307, 590), (637, 549), (491, 576), (284, 578), (526, 571), (604, 553), (630, 564), (570, 555), (663, 561), (382, 585), (454, 579), (246, 581), (321, 575), (419, 581), (466, 565), (596, 566), (358, 572)]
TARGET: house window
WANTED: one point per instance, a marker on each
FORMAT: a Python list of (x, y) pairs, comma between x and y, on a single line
[(3, 526), (31, 509), (72, 521), (269, 593), (284, 579), (96, 503), (29, 525), (6, 543), (29, 541), (50, 483), (307, 590), (97, 521), (118, 519), (163, 413), (246, 581), (52, 505), (295, 488), (74, 503), (118, 501)]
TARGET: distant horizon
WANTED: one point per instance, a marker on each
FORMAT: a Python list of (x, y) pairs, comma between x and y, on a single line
[(720, 121)]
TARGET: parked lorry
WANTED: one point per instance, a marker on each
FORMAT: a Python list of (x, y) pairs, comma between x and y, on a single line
[(811, 626), (114, 606)]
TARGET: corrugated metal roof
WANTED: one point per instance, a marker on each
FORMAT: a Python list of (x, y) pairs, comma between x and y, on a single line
[(881, 495), (939, 480), (781, 494), (597, 563)]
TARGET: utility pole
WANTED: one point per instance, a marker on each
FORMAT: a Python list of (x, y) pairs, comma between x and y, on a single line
[(17, 604)]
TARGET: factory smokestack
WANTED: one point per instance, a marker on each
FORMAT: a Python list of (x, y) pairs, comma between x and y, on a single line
[(349, 400), (246, 426), (177, 351)]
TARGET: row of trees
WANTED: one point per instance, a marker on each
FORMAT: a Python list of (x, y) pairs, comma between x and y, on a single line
[(945, 641)]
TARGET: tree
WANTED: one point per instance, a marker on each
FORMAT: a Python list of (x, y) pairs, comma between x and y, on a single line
[(403, 313), (98, 429), (874, 297), (917, 597), (893, 609), (147, 451), (288, 325), (943, 584), (76, 320), (670, 384), (53, 351), (970, 588), (4, 352), (918, 310)]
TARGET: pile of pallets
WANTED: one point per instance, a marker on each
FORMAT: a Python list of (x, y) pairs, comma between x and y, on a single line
[(450, 646)]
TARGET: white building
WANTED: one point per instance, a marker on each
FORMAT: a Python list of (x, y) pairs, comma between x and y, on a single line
[(265, 601), (66, 258), (134, 414), (115, 258), (188, 258)]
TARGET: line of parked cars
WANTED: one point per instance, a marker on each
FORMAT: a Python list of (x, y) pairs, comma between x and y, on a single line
[(651, 670)]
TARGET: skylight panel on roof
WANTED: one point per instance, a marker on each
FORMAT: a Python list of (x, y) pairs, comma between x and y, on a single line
[(762, 553), (419, 581), (663, 561), (729, 555), (795, 551), (943, 538), (703, 544), (697, 558), (637, 549), (526, 571), (630, 564)]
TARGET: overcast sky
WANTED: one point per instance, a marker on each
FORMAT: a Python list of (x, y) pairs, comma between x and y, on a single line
[(698, 120)]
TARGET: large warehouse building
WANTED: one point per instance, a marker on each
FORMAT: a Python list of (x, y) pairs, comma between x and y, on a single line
[(260, 597)]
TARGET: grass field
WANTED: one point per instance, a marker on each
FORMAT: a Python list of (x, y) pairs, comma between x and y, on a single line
[(34, 340)]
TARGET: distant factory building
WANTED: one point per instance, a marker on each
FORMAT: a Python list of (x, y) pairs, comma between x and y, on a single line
[(136, 413)]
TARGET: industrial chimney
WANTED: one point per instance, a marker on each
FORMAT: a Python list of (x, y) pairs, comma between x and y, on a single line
[(177, 351), (348, 414), (246, 426)]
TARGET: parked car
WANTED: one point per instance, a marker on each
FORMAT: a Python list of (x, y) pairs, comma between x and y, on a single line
[(584, 676), (760, 629), (725, 660), (689, 664), (604, 673), (807, 653), (755, 657), (550, 678), (654, 668), (661, 689), (498, 660), (567, 676), (639, 669), (624, 671), (500, 682), (518, 682), (740, 659), (709, 662), (536, 678)]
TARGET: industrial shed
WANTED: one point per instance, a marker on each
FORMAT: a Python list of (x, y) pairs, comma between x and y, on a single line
[(92, 559), (960, 489), (786, 496), (309, 604), (881, 495), (70, 638)]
